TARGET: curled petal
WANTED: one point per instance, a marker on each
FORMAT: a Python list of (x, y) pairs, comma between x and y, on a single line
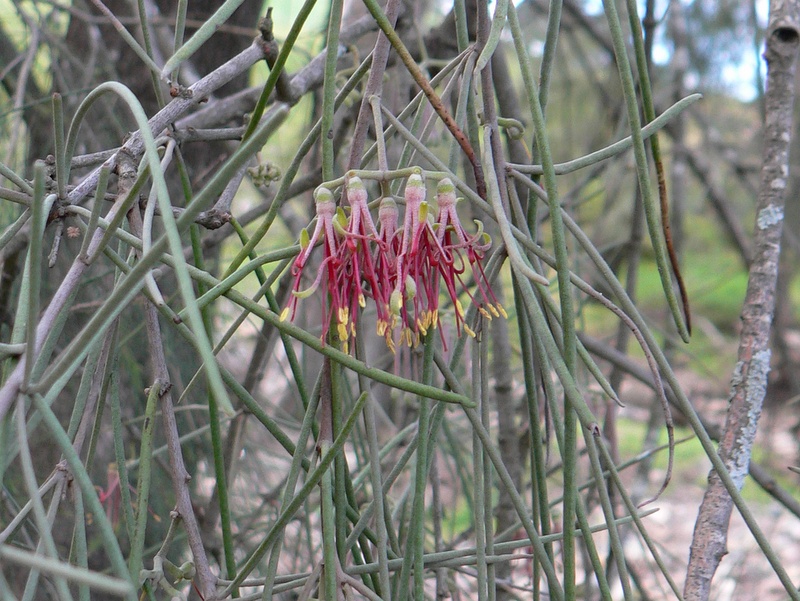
[(340, 222), (305, 239)]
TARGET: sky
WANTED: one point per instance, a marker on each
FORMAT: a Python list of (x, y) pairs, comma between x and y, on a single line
[(738, 77)]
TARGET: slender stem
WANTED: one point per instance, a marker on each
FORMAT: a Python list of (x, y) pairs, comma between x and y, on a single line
[(436, 102), (220, 472), (380, 57), (145, 479), (62, 166), (642, 172), (277, 67), (479, 485), (101, 582), (290, 173), (300, 497), (424, 447), (330, 558), (43, 520), (33, 280), (329, 87), (648, 108), (87, 488), (206, 30)]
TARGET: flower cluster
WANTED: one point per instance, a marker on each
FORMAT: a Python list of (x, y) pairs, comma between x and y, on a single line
[(401, 269)]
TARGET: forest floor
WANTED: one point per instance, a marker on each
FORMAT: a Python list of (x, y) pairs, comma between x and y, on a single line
[(744, 573)]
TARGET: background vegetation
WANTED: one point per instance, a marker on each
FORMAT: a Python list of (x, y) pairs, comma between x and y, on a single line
[(183, 416)]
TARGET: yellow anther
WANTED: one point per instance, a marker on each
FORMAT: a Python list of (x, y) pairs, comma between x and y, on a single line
[(341, 330), (459, 309), (421, 326), (485, 313), (469, 331), (501, 310), (285, 314), (493, 309), (362, 302)]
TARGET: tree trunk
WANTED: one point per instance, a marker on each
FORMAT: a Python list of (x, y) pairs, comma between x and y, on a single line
[(749, 381)]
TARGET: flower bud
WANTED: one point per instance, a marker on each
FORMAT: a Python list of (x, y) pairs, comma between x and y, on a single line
[(356, 192), (415, 189), (445, 194)]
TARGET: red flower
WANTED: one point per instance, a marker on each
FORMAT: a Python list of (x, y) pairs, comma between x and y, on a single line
[(356, 265), (324, 230), (454, 239), (387, 250), (415, 297), (400, 270)]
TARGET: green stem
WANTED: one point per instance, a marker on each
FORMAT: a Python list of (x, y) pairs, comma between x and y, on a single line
[(217, 446), (33, 263), (550, 46), (479, 484), (329, 87), (87, 488), (301, 497), (329, 555), (206, 30), (62, 166), (277, 68), (642, 170), (145, 479), (294, 167), (436, 102)]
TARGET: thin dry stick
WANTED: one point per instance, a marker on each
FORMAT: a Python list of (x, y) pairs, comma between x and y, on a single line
[(133, 148), (178, 473), (749, 381), (380, 56), (180, 476), (430, 93)]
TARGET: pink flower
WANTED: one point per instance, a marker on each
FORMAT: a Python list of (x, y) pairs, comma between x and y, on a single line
[(386, 252), (415, 297), (454, 240), (323, 231), (356, 265), (400, 269)]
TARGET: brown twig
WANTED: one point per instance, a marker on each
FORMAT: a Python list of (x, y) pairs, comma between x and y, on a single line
[(178, 473), (380, 57)]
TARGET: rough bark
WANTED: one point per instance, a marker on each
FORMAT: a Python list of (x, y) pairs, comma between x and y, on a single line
[(749, 381)]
